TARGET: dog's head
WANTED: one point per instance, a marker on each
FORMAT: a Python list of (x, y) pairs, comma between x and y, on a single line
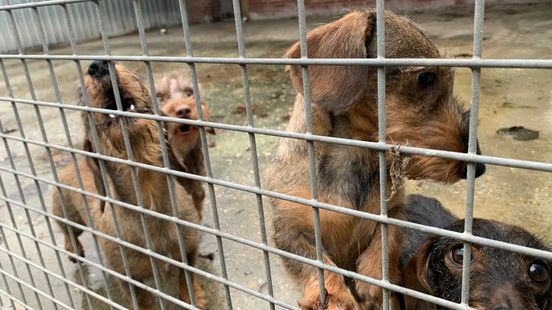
[(182, 137), (173, 88), (134, 97), (421, 108), (499, 279)]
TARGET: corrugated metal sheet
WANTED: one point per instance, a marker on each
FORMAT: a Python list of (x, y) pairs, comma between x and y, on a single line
[(84, 19)]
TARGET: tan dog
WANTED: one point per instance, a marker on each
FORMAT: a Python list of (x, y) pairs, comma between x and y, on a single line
[(421, 112), (176, 99), (145, 144), (185, 143)]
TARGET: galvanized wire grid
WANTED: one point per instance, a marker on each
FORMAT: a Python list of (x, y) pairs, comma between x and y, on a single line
[(44, 299)]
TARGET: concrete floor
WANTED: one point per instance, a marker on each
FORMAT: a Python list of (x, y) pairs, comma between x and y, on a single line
[(509, 97)]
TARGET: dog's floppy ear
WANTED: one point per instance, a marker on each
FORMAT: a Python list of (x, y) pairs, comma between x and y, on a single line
[(336, 88), (416, 276), (96, 172)]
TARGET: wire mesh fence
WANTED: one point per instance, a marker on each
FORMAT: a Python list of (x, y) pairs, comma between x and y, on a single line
[(130, 193)]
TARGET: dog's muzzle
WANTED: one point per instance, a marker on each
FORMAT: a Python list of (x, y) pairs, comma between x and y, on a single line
[(186, 114)]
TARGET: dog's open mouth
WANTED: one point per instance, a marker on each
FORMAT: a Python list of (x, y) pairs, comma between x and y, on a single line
[(185, 129), (127, 104)]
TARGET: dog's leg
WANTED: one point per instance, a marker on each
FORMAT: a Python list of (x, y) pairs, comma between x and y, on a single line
[(199, 295), (69, 246), (294, 233), (140, 268), (200, 299), (72, 215), (144, 299), (369, 264)]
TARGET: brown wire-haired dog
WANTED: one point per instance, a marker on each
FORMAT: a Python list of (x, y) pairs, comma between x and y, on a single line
[(146, 148), (186, 144), (499, 279), (421, 112)]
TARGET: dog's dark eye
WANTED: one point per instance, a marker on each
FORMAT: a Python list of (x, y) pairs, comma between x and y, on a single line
[(538, 272), (427, 79), (189, 91), (457, 254)]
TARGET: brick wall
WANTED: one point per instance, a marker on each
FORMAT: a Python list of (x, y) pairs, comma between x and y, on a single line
[(202, 11), (267, 9), (210, 10), (261, 9)]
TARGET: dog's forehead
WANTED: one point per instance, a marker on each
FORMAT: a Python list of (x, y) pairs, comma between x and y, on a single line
[(405, 39)]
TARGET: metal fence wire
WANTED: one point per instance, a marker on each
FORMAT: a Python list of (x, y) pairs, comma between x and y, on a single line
[(28, 282)]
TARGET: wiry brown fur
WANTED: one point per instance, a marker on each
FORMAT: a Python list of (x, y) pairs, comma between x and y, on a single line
[(345, 106), (145, 145)]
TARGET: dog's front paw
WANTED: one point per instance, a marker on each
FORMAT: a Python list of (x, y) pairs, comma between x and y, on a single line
[(370, 296), (341, 299)]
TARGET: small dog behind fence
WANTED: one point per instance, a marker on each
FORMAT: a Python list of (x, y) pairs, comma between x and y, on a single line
[(499, 279)]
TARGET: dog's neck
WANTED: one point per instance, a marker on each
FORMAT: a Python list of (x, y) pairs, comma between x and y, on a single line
[(347, 171), (152, 185), (350, 173)]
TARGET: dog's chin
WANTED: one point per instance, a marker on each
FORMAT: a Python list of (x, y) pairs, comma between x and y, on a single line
[(111, 119), (445, 179), (113, 126), (185, 131), (435, 169), (140, 132)]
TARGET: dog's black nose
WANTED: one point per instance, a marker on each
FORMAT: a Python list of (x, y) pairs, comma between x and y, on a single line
[(183, 113), (98, 69), (479, 167)]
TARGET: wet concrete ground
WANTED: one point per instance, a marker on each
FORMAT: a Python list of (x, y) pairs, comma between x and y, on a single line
[(509, 97)]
